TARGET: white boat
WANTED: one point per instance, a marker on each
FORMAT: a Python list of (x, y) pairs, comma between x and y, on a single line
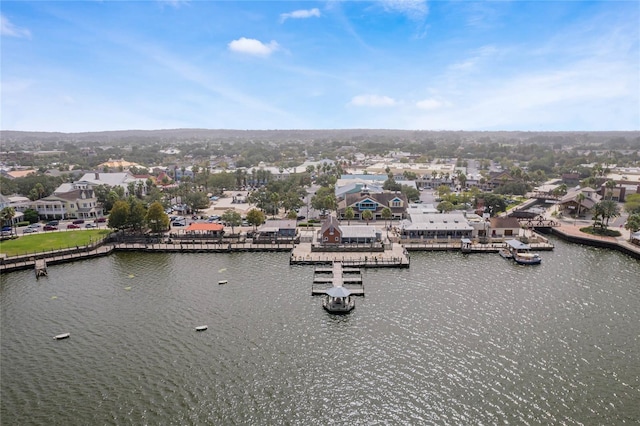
[(527, 258), (201, 327), (222, 282), (62, 336), (521, 253), (505, 253)]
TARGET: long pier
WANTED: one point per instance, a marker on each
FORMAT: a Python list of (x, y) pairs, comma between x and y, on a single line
[(337, 276)]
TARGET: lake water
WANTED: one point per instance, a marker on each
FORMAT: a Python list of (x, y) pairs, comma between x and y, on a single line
[(455, 339)]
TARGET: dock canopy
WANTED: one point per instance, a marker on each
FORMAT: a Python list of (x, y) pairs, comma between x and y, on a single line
[(207, 227), (338, 292), (466, 241), (518, 245)]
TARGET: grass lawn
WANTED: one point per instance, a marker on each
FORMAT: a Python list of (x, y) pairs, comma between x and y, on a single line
[(46, 241), (603, 232)]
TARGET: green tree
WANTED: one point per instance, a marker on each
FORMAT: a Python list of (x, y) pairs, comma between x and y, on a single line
[(275, 202), (443, 190), (137, 213), (610, 209), (367, 215), (493, 203), (119, 216), (39, 189), (610, 186), (196, 201), (410, 192), (31, 215), (255, 217), (6, 215), (391, 185), (632, 204), (157, 220), (349, 214), (579, 199), (445, 206), (232, 218), (633, 224), (386, 215)]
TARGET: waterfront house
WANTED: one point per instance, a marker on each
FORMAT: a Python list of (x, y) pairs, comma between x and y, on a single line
[(499, 178), (575, 204), (436, 227), (503, 227), (331, 231), (375, 203), (334, 236), (78, 203)]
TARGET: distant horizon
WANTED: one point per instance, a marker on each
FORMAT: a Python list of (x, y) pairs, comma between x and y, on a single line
[(187, 129), (414, 65)]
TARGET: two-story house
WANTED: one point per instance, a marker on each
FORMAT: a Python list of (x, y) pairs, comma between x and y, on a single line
[(375, 203)]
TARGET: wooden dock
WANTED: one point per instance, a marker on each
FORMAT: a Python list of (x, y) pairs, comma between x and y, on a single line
[(337, 276), (41, 268)]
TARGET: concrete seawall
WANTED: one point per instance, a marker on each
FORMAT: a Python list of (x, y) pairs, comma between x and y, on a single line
[(574, 235)]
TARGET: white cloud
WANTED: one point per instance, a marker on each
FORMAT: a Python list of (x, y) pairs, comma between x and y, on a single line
[(174, 3), (478, 56), (252, 46), (8, 29), (372, 101), (414, 9), (300, 14), (431, 104)]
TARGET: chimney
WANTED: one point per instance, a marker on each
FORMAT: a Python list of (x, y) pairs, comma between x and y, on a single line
[(97, 176)]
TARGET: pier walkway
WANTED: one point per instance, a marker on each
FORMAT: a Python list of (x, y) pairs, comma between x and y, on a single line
[(337, 276)]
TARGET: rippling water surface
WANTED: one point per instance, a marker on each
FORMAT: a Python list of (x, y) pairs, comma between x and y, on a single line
[(453, 340)]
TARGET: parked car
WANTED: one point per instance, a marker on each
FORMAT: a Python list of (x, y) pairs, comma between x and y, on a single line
[(78, 221), (90, 225), (29, 230), (6, 229), (53, 223), (301, 217), (34, 226), (100, 220), (50, 228), (72, 226)]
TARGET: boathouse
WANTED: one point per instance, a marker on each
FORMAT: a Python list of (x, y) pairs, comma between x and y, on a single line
[(438, 227), (204, 230), (503, 227), (276, 231)]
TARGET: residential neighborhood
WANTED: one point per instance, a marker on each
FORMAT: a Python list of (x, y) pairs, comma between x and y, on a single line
[(414, 195)]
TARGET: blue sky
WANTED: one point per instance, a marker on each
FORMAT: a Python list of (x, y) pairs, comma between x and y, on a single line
[(75, 66)]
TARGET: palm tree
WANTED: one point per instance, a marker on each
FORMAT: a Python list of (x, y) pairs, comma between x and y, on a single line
[(275, 199), (386, 215), (610, 209), (610, 185), (6, 215), (367, 215), (579, 199)]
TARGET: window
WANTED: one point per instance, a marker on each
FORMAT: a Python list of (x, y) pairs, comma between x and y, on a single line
[(337, 238)]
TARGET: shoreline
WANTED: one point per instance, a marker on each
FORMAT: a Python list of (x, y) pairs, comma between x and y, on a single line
[(566, 232)]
